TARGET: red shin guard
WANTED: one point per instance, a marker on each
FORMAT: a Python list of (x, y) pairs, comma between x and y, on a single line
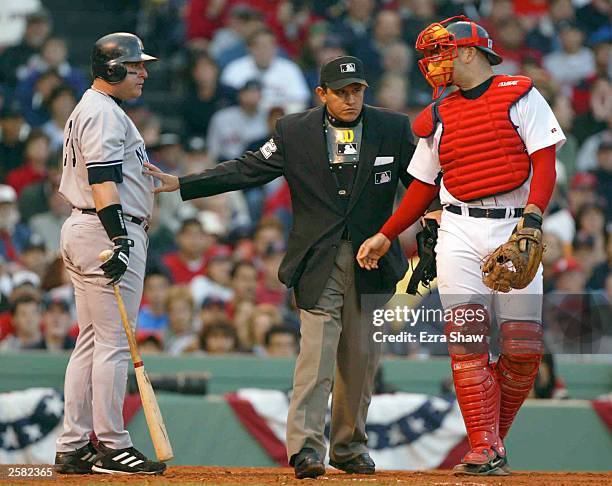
[(521, 347), (477, 390)]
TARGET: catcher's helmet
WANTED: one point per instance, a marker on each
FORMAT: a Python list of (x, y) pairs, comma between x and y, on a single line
[(439, 43), (111, 51), (468, 33)]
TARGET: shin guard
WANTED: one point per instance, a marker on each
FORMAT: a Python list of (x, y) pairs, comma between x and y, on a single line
[(521, 346), (475, 385)]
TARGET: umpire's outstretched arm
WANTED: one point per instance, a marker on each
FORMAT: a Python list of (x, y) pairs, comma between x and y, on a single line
[(250, 170)]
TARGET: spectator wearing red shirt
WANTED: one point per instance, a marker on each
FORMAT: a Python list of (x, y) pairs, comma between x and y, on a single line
[(26, 319), (269, 232), (189, 260), (510, 44), (56, 324), (290, 24), (36, 154), (270, 290), (244, 286)]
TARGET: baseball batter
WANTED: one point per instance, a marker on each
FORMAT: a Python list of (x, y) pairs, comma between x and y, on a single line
[(112, 201), (489, 149)]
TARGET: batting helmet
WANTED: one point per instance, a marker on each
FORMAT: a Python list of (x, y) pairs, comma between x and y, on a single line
[(111, 51)]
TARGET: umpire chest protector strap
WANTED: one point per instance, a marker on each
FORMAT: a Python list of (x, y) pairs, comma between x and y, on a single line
[(481, 153)]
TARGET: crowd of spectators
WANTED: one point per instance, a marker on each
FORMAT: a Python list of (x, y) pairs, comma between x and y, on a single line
[(237, 66)]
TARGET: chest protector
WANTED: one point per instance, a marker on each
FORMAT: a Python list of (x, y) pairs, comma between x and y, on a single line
[(343, 150), (481, 153)]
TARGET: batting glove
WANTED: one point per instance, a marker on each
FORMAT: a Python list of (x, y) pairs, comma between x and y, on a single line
[(115, 266)]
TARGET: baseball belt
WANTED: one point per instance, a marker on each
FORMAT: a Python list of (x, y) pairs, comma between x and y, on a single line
[(128, 217), (495, 213)]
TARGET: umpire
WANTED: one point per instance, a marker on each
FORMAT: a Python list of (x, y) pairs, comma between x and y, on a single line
[(342, 162)]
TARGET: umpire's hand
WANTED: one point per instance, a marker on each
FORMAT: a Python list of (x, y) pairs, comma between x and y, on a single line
[(169, 182), (116, 265)]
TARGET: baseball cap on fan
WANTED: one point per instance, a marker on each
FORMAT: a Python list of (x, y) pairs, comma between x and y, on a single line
[(341, 72)]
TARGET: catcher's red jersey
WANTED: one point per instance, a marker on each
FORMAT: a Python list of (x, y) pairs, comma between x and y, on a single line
[(481, 153)]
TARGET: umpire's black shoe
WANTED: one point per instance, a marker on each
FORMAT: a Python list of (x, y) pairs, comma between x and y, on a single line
[(307, 464), (125, 461), (76, 462), (362, 464)]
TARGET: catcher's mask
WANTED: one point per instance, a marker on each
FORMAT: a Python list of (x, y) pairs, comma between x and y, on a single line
[(439, 43)]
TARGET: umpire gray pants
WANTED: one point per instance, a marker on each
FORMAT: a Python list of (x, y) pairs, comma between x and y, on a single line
[(96, 375), (336, 348)]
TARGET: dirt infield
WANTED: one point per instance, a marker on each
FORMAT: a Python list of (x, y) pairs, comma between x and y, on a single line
[(284, 476)]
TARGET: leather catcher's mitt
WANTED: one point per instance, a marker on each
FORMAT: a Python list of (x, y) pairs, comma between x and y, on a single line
[(514, 264)]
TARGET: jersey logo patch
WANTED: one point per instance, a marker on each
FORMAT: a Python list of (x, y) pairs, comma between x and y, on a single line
[(346, 149), (382, 177), (503, 84), (268, 148)]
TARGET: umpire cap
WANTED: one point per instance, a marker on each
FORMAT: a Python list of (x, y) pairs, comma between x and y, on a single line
[(342, 71), (111, 51)]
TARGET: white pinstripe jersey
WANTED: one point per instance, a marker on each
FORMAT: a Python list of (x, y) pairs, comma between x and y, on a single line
[(97, 134)]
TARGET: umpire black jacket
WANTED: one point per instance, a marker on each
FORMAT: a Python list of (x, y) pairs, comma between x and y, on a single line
[(298, 151)]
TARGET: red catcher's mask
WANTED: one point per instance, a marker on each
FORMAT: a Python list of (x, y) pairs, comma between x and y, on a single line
[(439, 43)]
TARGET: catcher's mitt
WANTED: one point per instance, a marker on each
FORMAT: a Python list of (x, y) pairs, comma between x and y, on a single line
[(514, 264)]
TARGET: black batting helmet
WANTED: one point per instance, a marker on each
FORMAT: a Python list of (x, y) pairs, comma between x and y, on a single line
[(111, 51)]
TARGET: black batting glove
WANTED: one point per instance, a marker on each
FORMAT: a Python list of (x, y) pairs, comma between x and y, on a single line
[(115, 266)]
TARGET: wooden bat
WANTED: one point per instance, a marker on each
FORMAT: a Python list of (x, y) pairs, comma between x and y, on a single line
[(155, 422)]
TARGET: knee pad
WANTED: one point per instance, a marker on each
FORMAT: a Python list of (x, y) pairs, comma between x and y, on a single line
[(521, 348), (467, 331)]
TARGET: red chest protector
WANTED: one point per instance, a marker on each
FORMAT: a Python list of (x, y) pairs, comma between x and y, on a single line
[(481, 152)]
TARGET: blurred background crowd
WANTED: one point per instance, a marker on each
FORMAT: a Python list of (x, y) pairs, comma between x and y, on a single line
[(228, 70)]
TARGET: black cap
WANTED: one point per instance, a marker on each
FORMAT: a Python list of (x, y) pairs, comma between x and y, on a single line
[(606, 144), (212, 301), (251, 84), (51, 302), (567, 24), (11, 110), (40, 15), (244, 11), (342, 71)]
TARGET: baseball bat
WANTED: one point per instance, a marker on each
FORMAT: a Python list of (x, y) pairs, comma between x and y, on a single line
[(155, 422)]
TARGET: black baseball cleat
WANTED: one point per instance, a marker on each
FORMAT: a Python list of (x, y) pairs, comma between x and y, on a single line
[(496, 466), (362, 464), (76, 462), (125, 461), (307, 464)]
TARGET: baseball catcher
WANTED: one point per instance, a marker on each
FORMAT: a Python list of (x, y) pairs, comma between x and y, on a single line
[(489, 147)]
